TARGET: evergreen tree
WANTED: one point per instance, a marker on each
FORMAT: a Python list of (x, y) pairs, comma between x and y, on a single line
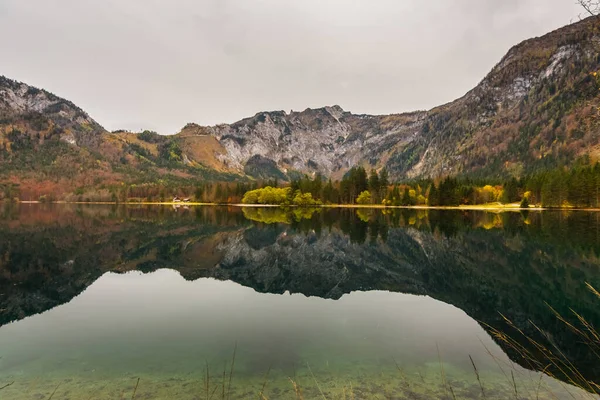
[(511, 192), (353, 183), (374, 185), (395, 196), (361, 180), (198, 193), (345, 190), (218, 193), (595, 185), (449, 195), (433, 199), (328, 192), (383, 183), (554, 189), (406, 201), (317, 186)]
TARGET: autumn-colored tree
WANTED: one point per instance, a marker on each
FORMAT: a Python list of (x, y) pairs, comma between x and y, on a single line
[(364, 198), (305, 199)]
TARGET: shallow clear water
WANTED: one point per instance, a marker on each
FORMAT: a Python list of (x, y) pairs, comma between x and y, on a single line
[(383, 306)]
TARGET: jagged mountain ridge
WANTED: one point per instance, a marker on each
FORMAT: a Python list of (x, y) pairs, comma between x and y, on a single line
[(43, 115), (326, 140), (537, 108)]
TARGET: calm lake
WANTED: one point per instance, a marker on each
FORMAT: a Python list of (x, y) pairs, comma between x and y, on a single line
[(156, 302)]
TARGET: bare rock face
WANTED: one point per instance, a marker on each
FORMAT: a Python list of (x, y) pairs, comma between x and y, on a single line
[(325, 140), (40, 115), (531, 108)]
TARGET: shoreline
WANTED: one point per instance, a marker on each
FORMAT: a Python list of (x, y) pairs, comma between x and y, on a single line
[(481, 207)]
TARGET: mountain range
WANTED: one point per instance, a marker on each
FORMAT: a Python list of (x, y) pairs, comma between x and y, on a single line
[(538, 108)]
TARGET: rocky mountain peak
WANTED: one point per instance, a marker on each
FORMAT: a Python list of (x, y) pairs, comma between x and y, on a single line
[(30, 110), (335, 111)]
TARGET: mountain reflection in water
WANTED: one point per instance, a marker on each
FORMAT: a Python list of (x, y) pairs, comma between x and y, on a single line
[(485, 264)]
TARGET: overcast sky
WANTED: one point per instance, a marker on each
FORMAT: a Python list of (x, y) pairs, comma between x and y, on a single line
[(152, 64)]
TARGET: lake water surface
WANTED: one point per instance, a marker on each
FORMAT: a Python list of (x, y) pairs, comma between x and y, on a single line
[(121, 302)]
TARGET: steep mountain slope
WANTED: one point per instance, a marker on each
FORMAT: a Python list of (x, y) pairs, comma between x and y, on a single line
[(538, 108), (49, 147), (42, 116)]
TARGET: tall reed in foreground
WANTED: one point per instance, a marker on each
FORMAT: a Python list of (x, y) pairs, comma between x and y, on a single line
[(548, 357), (225, 385)]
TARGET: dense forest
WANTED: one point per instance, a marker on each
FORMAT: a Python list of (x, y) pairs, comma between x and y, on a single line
[(578, 186), (560, 187)]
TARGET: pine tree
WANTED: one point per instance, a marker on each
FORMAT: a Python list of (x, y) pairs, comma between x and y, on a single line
[(362, 182), (353, 183), (218, 193), (433, 199), (395, 197), (383, 183), (449, 195), (328, 191), (198, 193), (406, 197), (374, 185), (317, 186), (511, 192)]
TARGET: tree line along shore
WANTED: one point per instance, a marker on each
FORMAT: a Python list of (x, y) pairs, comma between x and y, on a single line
[(576, 187)]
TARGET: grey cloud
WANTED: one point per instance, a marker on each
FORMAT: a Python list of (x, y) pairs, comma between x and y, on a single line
[(156, 64)]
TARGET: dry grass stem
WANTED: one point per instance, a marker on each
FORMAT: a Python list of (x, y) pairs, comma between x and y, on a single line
[(514, 385), (297, 389), (55, 389), (135, 389), (478, 377), (264, 385), (206, 381), (402, 375), (231, 371), (316, 383), (447, 384), (593, 290)]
